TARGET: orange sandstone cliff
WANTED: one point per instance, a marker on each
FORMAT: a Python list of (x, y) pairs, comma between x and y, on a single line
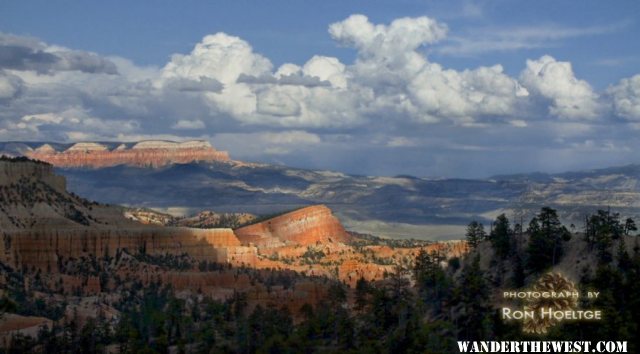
[(153, 153), (307, 226)]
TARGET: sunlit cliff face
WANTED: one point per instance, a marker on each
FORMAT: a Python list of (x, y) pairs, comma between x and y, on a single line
[(142, 154)]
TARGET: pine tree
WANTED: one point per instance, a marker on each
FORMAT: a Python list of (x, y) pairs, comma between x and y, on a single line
[(602, 229), (630, 226), (519, 275), (501, 236), (473, 297), (624, 260), (362, 293), (547, 234), (475, 234), (431, 280)]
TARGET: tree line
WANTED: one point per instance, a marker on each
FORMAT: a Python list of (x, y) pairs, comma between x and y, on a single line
[(424, 308)]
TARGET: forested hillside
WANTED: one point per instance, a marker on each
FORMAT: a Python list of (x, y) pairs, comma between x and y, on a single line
[(422, 307)]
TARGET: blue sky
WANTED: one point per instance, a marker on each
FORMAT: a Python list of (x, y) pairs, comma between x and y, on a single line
[(417, 96), (602, 49)]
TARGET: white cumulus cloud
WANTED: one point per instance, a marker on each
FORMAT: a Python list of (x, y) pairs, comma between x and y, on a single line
[(221, 57), (554, 80), (402, 35), (327, 69), (626, 98), (391, 96), (463, 96)]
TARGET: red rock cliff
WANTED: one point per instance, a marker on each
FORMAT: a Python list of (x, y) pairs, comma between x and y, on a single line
[(304, 226), (145, 153), (44, 248)]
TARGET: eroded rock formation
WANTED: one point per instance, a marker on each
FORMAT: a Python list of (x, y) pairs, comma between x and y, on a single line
[(60, 248), (152, 153), (42, 224), (43, 227), (13, 171), (13, 325), (306, 226), (45, 249)]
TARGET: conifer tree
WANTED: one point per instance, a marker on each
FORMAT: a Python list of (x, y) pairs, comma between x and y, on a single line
[(501, 236), (546, 236), (472, 295), (475, 234), (630, 226)]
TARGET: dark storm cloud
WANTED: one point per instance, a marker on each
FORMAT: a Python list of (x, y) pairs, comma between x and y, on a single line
[(85, 62), (188, 85), (16, 57), (23, 53), (292, 79), (11, 86)]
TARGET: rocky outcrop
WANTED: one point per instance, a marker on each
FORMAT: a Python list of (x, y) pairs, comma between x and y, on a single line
[(148, 217), (41, 225), (209, 219), (203, 220), (351, 271), (306, 226), (12, 171), (151, 153), (12, 325), (47, 248)]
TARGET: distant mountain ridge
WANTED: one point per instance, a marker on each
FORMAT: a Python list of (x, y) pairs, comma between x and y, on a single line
[(413, 201), (387, 206), (153, 153), (630, 169)]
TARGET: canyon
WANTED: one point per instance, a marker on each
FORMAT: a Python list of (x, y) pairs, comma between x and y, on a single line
[(63, 246), (68, 259)]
